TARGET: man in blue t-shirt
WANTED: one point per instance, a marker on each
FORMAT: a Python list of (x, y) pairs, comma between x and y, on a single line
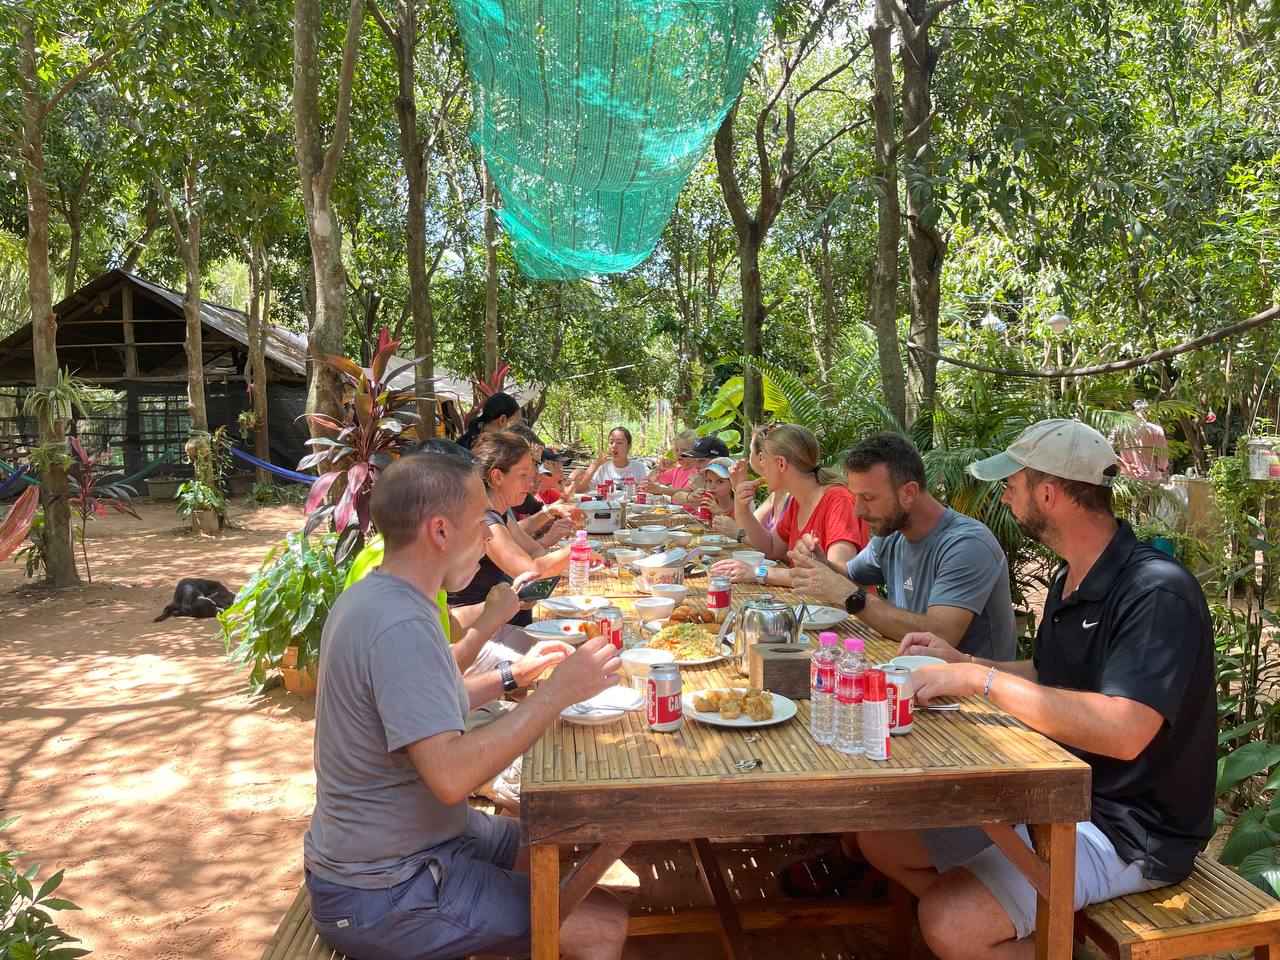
[(1123, 677), (942, 573)]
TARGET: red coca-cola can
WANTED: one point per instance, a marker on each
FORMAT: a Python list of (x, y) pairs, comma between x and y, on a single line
[(704, 514), (875, 715), (662, 698), (609, 620), (902, 696), (642, 496), (719, 595), (602, 490)]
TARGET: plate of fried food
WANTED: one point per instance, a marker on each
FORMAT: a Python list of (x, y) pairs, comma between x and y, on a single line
[(692, 644), (739, 707)]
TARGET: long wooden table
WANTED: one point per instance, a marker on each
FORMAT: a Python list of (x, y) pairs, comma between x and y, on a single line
[(622, 783)]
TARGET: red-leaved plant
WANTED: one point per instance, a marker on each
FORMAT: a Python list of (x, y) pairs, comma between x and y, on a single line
[(95, 492), (17, 522), (482, 390), (377, 422)]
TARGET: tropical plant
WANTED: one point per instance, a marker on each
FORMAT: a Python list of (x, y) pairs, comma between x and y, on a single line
[(16, 524), (34, 553), (95, 493), (27, 931), (67, 395), (284, 604), (378, 421), (195, 496)]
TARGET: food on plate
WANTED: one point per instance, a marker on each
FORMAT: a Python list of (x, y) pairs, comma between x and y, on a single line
[(687, 641), (732, 704), (592, 630), (686, 613)]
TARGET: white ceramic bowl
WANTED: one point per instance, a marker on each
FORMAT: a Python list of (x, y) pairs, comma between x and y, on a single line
[(752, 558), (653, 528), (647, 538), (655, 607), (670, 591), (626, 555), (915, 663), (681, 538), (637, 662)]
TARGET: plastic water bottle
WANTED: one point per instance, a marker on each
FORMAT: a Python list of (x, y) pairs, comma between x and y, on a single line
[(849, 673), (579, 564), (822, 689)]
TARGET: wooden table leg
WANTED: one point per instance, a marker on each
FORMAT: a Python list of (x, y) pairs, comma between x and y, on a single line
[(1055, 915), (900, 926), (544, 900), (733, 941)]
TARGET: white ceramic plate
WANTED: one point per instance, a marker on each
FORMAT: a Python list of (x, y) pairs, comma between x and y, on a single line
[(717, 538), (783, 710), (607, 706), (567, 542), (575, 606), (570, 631), (821, 618)]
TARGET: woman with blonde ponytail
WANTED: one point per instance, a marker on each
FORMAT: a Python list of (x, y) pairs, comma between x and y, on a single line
[(820, 504)]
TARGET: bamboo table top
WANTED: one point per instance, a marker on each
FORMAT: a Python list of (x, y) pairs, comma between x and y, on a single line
[(624, 781)]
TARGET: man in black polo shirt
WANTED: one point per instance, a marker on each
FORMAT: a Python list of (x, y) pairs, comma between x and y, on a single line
[(1122, 676)]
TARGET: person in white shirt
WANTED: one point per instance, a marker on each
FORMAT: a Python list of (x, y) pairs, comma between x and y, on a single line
[(614, 464)]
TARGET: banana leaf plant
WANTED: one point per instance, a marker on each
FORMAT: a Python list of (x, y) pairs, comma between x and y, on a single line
[(17, 522), (96, 493), (378, 422)]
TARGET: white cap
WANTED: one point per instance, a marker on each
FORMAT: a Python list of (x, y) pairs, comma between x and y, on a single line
[(1061, 448)]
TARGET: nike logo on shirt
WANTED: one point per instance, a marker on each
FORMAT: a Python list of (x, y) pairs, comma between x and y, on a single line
[(1089, 626)]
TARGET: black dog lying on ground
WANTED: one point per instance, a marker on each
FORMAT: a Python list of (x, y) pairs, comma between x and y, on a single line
[(194, 597)]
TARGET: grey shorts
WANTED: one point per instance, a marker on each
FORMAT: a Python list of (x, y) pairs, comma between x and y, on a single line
[(1100, 872), (464, 901)]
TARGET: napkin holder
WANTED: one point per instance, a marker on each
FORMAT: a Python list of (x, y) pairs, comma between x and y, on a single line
[(781, 668)]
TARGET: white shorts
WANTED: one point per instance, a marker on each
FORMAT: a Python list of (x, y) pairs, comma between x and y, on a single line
[(1100, 872), (507, 643)]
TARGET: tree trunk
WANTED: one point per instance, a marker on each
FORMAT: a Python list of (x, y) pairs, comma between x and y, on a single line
[(926, 249), (405, 42), (752, 327), (258, 360), (317, 169), (882, 297), (490, 278), (60, 563), (827, 279), (73, 252)]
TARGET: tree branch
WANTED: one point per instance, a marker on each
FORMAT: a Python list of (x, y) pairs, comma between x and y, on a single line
[(920, 128), (831, 75), (382, 22), (96, 63), (346, 81), (932, 13), (813, 154), (728, 175)]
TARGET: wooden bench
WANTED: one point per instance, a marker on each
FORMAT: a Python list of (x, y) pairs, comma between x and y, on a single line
[(1214, 910), (673, 899)]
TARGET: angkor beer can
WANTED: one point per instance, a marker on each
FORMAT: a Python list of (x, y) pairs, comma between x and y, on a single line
[(875, 715), (609, 620), (719, 592), (902, 697), (662, 698)]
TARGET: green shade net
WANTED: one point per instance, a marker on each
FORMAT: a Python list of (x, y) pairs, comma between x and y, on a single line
[(592, 113)]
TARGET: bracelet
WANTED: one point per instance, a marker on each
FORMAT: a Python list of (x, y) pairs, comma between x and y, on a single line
[(987, 687)]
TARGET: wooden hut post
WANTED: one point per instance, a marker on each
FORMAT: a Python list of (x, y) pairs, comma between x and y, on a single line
[(134, 454)]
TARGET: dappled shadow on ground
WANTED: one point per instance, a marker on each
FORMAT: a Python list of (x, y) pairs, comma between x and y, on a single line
[(137, 760)]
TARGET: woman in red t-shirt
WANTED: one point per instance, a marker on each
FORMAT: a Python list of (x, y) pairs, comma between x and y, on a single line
[(820, 505)]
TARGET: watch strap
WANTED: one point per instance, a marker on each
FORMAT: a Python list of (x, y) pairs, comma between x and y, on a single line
[(508, 678)]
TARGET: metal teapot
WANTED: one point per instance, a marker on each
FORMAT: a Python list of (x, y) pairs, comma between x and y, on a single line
[(764, 620)]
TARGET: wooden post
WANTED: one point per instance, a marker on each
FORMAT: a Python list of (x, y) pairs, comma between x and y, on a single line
[(130, 347)]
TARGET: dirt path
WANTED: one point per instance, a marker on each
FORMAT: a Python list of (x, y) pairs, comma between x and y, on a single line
[(134, 756)]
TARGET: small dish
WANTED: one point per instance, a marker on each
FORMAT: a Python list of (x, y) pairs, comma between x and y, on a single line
[(752, 558), (654, 607), (670, 591)]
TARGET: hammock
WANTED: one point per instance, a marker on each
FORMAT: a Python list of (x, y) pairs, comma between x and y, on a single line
[(272, 468), (592, 114), (20, 473), (14, 480)]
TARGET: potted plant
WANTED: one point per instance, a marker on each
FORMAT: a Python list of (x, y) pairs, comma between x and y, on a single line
[(201, 505), (277, 617), (163, 488), (248, 421)]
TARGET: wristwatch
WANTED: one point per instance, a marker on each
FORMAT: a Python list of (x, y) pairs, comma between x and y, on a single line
[(508, 678), (855, 601)]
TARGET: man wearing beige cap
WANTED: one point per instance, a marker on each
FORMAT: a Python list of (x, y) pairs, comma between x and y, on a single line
[(1122, 676)]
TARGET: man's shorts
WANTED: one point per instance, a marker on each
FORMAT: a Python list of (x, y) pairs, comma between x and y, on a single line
[(464, 901), (1100, 872)]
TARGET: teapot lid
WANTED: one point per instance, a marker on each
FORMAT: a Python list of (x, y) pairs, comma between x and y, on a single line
[(766, 602)]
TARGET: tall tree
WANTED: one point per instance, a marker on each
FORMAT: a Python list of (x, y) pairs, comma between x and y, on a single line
[(50, 64), (416, 148), (318, 170), (779, 155)]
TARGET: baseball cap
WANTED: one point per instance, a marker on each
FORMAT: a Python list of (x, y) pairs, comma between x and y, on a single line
[(720, 466), (708, 446), (549, 455), (1061, 448)]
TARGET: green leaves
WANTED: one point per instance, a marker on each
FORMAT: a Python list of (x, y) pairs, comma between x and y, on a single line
[(27, 931)]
